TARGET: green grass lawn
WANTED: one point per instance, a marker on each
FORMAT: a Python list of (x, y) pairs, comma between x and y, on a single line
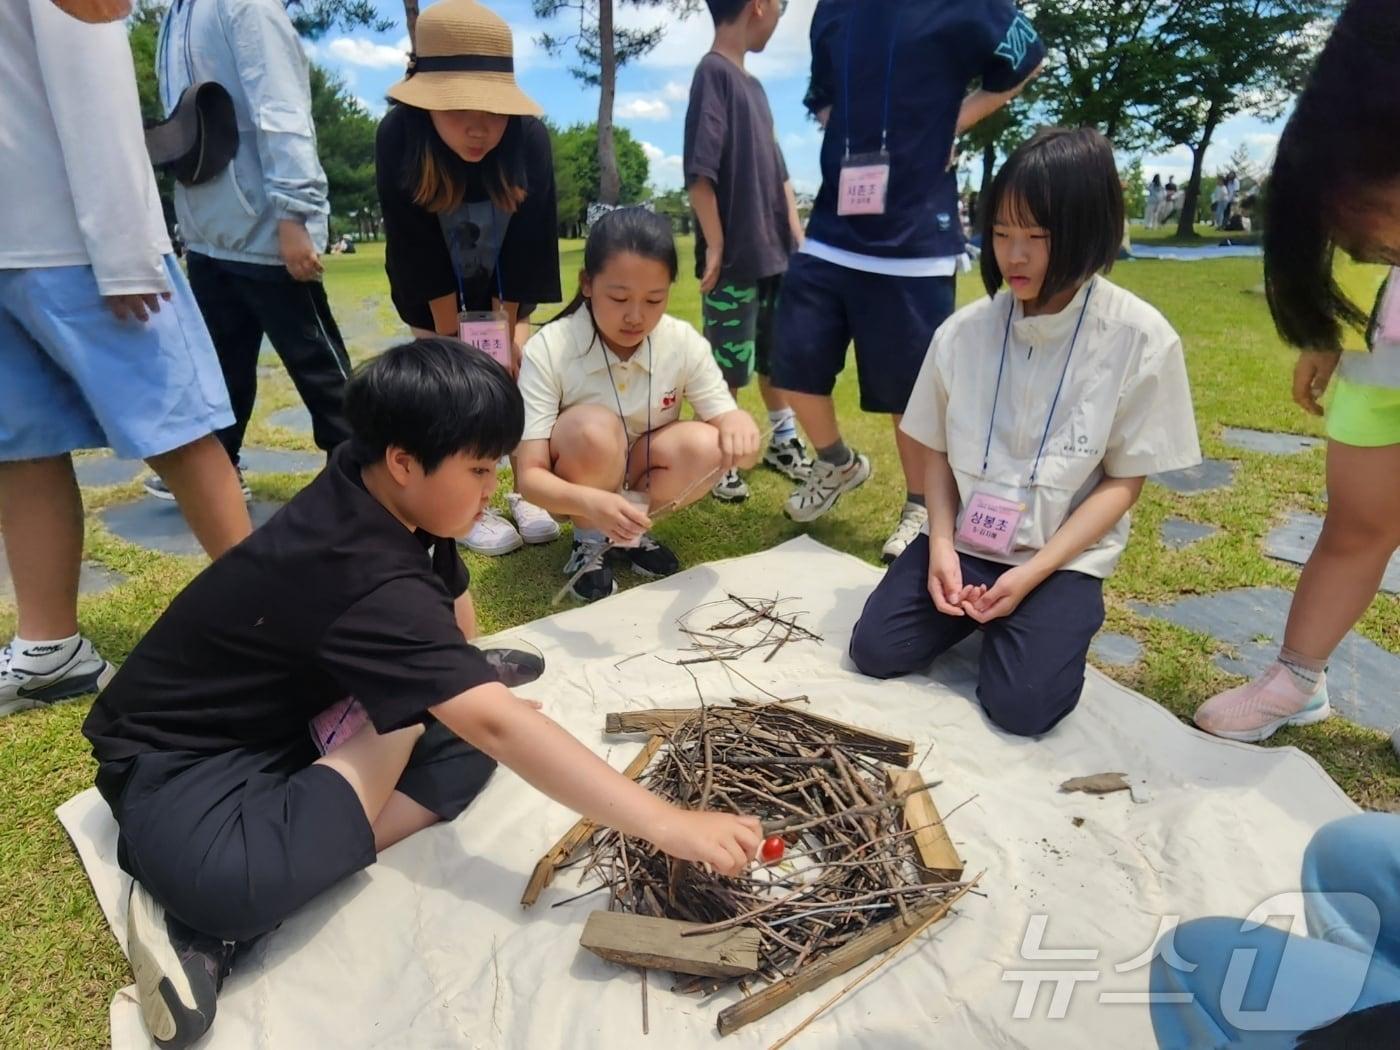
[(59, 962)]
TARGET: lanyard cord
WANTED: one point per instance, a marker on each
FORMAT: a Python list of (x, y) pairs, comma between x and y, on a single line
[(163, 58), (627, 463), (889, 77), (500, 289), (1050, 417)]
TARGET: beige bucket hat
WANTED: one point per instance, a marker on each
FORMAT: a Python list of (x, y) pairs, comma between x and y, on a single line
[(463, 59)]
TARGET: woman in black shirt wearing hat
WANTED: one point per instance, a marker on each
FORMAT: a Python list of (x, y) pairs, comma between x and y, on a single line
[(466, 188)]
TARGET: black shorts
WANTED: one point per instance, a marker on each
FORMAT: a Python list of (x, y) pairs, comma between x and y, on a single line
[(823, 307), (232, 844)]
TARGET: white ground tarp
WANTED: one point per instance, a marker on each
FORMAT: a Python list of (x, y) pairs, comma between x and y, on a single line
[(429, 947)]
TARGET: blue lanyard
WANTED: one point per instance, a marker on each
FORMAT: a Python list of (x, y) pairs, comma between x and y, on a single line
[(889, 76), (1001, 368), (627, 463), (496, 265)]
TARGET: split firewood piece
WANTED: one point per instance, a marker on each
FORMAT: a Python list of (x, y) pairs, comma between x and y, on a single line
[(1098, 784), (938, 858), (580, 833), (878, 938), (640, 940)]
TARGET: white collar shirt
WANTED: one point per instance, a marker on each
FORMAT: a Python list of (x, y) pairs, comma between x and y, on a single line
[(566, 364), (1124, 409)]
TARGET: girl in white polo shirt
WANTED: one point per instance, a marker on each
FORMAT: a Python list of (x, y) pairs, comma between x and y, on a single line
[(603, 385), (1043, 408)]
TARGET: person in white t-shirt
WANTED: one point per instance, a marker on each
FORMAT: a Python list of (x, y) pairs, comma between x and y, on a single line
[(1042, 410), (603, 385), (101, 344)]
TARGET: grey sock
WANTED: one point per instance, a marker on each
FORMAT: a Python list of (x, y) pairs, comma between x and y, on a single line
[(1306, 671), (588, 535), (838, 455), (915, 498)]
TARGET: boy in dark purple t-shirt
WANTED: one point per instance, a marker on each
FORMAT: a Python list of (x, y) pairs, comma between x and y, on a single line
[(747, 216)]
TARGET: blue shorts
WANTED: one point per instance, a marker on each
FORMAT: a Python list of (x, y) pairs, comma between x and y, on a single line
[(76, 377), (823, 307)]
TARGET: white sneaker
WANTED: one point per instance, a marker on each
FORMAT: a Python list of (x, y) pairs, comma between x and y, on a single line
[(730, 488), (22, 686), (824, 486), (534, 523), (493, 536), (911, 523)]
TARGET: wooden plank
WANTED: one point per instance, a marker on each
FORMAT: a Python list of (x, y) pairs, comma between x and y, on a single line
[(655, 720), (872, 942), (580, 833), (938, 857), (641, 940), (665, 719)]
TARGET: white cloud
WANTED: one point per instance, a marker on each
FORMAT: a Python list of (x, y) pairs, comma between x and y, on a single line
[(357, 52), (666, 169), (676, 91), (526, 48), (374, 109), (640, 107)]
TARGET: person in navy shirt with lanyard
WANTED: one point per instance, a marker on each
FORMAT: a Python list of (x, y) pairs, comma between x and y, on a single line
[(466, 184), (889, 83)]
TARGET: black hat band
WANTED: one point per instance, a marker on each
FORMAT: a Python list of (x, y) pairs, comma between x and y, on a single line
[(460, 64)]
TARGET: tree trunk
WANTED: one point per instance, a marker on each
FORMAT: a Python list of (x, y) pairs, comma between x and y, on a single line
[(609, 182), (410, 17), (989, 163), (1186, 222)]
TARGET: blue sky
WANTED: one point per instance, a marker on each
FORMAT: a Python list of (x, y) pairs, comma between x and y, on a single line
[(652, 93)]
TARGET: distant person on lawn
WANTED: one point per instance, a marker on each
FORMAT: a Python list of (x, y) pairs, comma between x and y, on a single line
[(471, 232), (890, 85), (747, 216), (101, 343), (255, 233)]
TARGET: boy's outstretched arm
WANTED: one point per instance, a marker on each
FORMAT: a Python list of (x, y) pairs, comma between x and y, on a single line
[(494, 720)]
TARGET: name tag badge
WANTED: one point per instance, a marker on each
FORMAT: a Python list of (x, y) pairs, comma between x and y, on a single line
[(488, 331), (989, 523), (1389, 330), (865, 178)]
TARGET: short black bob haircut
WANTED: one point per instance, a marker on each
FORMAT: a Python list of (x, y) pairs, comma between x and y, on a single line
[(1341, 144), (1065, 181), (726, 11), (433, 398)]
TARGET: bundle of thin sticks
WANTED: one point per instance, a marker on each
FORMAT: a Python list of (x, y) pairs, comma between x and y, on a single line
[(743, 626), (850, 861)]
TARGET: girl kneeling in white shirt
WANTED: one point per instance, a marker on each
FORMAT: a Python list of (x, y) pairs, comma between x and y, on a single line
[(603, 385), (1043, 409)]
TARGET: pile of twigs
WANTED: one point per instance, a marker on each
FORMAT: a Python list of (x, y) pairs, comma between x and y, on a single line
[(756, 624), (849, 861)]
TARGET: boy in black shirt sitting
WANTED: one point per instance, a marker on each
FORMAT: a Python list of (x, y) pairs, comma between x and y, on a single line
[(230, 816)]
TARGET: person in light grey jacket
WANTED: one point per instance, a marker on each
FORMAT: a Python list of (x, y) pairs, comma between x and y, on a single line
[(255, 232)]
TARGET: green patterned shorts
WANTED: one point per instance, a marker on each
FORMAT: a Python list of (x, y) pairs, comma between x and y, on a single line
[(739, 325)]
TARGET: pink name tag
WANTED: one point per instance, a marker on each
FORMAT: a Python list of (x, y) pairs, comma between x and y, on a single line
[(989, 523), (337, 724), (864, 180), (1389, 329), (488, 332)]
